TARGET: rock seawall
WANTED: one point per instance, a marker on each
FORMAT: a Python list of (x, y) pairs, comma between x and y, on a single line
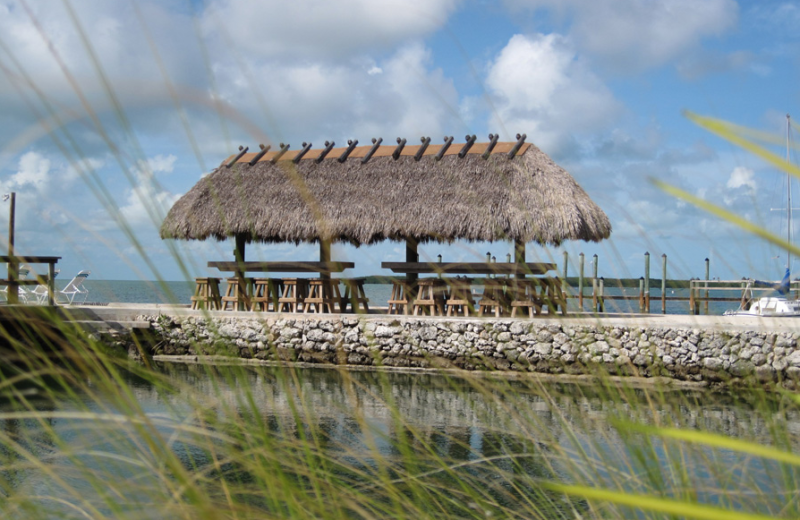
[(485, 344)]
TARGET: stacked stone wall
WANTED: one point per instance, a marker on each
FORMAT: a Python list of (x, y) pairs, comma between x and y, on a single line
[(485, 344)]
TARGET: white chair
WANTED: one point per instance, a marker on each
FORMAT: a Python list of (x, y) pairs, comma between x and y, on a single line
[(22, 274), (74, 288), (41, 292)]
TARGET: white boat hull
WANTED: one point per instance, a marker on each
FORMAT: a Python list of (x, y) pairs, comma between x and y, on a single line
[(768, 307)]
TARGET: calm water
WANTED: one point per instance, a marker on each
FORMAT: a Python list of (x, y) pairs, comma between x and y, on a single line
[(547, 432), (105, 291)]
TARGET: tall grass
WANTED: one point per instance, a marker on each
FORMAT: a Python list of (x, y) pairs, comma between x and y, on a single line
[(87, 433)]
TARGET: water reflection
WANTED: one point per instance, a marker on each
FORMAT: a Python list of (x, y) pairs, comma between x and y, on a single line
[(488, 440)]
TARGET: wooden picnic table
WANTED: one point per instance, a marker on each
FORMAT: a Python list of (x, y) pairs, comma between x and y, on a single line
[(282, 267), (12, 282), (536, 268), (240, 294)]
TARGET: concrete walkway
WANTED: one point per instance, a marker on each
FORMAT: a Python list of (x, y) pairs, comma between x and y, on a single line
[(126, 313)]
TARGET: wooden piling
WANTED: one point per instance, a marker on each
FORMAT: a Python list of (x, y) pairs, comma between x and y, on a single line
[(664, 283), (564, 284), (647, 282), (580, 281), (594, 282), (708, 271), (641, 294)]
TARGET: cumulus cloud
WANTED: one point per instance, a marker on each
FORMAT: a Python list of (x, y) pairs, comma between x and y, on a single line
[(278, 29), (741, 176), (541, 87), (318, 101), (33, 172), (633, 35)]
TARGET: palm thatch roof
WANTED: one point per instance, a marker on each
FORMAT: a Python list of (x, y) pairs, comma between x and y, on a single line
[(420, 193)]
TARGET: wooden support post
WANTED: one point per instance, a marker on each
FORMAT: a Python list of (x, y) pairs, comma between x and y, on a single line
[(519, 256), (240, 240), (51, 284), (324, 256), (564, 283), (647, 282), (13, 264), (412, 255), (708, 271), (580, 281), (664, 283)]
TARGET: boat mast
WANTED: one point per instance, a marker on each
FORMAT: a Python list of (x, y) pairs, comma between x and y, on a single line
[(789, 196)]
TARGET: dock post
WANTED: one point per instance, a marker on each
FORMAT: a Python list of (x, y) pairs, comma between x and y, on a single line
[(13, 264), (564, 284), (647, 282), (601, 299), (594, 281), (580, 281), (692, 308), (664, 283), (708, 271), (641, 294)]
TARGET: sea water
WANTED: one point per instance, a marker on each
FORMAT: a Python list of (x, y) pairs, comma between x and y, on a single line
[(138, 291), (471, 429)]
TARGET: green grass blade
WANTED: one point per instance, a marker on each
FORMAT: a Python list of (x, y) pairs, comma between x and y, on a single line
[(652, 503)]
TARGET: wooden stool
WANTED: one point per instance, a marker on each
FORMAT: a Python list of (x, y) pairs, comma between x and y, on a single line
[(401, 297), (293, 295), (320, 295), (265, 290), (206, 294), (522, 294), (492, 298), (460, 298), (236, 295), (553, 295), (430, 295), (354, 295)]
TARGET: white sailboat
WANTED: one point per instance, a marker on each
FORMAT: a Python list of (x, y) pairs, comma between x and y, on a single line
[(773, 306)]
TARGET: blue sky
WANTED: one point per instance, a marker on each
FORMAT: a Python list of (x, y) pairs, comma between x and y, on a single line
[(112, 109)]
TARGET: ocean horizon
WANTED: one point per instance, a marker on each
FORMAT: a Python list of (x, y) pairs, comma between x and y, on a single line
[(180, 293)]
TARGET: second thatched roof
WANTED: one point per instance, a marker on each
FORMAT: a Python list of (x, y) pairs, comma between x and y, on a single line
[(424, 196)]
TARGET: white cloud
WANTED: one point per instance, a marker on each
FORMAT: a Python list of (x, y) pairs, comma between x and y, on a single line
[(321, 29), (741, 176), (148, 203), (317, 101), (33, 171), (633, 35), (541, 87), (162, 163)]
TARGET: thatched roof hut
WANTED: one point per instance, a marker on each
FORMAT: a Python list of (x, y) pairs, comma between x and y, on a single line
[(418, 194)]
